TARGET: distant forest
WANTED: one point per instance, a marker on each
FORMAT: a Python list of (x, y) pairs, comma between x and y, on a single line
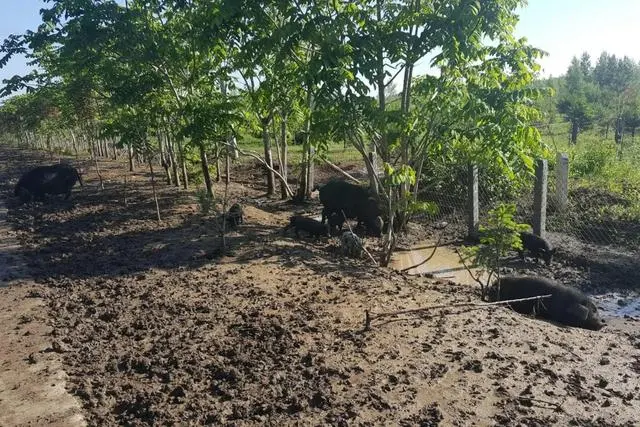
[(604, 96)]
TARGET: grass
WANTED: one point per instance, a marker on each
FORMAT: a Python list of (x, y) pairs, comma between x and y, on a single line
[(599, 164)]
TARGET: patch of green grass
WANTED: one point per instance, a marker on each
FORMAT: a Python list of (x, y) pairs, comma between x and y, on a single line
[(602, 165)]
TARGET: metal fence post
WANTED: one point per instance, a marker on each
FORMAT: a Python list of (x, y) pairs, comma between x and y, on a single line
[(473, 202), (540, 198)]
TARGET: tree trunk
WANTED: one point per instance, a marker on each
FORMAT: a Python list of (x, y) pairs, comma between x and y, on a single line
[(227, 167), (268, 156), (574, 132), (619, 130), (205, 168), (95, 159), (130, 153), (172, 157), (284, 157), (74, 142), (303, 186), (153, 187), (183, 165), (164, 162), (218, 177)]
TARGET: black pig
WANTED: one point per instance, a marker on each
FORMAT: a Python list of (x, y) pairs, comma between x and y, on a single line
[(55, 179), (566, 305), (313, 227), (235, 215), (539, 247), (352, 201)]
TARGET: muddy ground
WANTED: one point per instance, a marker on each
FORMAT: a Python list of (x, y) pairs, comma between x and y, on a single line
[(152, 327)]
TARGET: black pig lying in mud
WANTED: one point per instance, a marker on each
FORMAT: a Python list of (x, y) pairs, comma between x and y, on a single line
[(42, 180), (539, 247), (313, 227), (566, 305)]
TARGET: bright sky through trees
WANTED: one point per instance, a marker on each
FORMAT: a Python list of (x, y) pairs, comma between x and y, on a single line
[(563, 28)]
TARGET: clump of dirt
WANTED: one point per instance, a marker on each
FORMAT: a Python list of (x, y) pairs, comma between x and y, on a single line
[(154, 330)]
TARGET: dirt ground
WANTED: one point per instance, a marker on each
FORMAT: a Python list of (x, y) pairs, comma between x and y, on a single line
[(151, 327)]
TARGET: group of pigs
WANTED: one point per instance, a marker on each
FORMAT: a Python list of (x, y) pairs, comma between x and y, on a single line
[(341, 201)]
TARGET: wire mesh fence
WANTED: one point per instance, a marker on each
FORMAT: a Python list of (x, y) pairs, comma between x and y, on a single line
[(596, 202)]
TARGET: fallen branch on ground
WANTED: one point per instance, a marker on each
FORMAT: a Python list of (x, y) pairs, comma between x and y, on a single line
[(428, 258), (370, 316), (554, 405)]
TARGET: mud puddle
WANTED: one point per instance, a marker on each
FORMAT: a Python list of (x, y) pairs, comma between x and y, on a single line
[(619, 305), (444, 264)]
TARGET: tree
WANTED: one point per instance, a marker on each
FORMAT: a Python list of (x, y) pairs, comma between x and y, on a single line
[(575, 103)]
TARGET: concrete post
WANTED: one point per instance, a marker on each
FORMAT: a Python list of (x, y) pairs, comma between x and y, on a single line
[(540, 199), (473, 202), (562, 181)]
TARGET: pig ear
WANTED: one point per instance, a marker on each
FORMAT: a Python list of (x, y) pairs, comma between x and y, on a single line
[(578, 310)]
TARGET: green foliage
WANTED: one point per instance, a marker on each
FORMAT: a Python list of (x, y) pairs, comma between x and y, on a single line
[(593, 160), (497, 238)]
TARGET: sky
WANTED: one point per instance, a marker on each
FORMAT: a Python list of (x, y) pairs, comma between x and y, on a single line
[(562, 28)]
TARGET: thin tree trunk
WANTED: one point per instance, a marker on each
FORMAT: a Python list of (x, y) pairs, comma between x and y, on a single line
[(172, 157), (130, 153), (183, 165), (284, 159), (418, 174), (163, 158), (205, 169), (303, 186), (218, 177), (574, 132), (268, 156), (227, 167), (95, 159), (153, 187)]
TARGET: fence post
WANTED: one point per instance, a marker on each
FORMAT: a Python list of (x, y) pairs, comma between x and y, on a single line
[(562, 181), (540, 199), (473, 208)]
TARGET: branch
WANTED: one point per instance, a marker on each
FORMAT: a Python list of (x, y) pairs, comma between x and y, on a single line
[(264, 163), (464, 304), (556, 406), (477, 279), (394, 77), (429, 257), (340, 171)]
